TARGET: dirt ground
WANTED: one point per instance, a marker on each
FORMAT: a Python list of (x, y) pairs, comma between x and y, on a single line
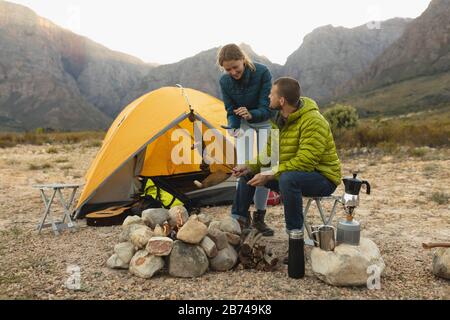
[(398, 216)]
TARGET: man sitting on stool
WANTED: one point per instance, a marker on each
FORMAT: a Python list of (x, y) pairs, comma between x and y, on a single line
[(308, 162)]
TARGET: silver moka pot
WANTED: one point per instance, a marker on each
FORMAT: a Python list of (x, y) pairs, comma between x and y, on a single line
[(349, 230)]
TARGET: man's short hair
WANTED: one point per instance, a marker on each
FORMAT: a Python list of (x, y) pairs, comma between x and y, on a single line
[(289, 89)]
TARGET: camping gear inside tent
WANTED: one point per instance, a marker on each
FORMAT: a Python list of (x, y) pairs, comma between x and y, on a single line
[(139, 145)]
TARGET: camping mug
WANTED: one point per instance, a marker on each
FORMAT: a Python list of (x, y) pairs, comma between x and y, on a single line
[(326, 237), (315, 235)]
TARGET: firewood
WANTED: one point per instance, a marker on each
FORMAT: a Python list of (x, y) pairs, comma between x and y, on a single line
[(250, 240), (271, 268), (270, 260), (258, 253), (246, 261), (435, 245), (253, 255)]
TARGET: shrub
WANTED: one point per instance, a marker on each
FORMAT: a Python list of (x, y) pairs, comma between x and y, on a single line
[(61, 160), (341, 117), (39, 167), (52, 150), (418, 152), (93, 143), (440, 197)]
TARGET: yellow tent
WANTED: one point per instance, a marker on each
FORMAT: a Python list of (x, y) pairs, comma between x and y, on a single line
[(139, 143)]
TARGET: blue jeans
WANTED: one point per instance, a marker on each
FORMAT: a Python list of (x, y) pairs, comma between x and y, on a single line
[(292, 185), (244, 152)]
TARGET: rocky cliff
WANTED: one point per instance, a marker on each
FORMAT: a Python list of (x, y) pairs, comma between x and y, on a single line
[(51, 77), (330, 56), (199, 72), (423, 50)]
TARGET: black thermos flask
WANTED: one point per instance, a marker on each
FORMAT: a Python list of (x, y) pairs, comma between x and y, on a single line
[(296, 258)]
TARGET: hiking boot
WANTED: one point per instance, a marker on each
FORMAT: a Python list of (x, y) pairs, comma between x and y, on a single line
[(260, 225)]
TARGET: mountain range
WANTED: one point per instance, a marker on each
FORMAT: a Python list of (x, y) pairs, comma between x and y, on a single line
[(52, 77)]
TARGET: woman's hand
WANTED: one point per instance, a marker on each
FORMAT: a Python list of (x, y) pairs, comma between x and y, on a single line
[(236, 133), (241, 170), (243, 113)]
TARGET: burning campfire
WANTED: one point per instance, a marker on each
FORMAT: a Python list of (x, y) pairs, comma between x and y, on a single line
[(187, 246)]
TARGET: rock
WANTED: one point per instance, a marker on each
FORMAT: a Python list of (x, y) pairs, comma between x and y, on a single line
[(145, 265), (178, 213), (162, 231), (209, 246), (141, 236), (125, 251), (229, 224), (192, 232), (187, 260), (214, 225), (347, 265), (158, 231), (114, 262), (125, 234), (224, 260), (441, 263), (159, 246), (233, 239), (132, 220), (193, 217), (219, 237), (204, 218), (153, 217)]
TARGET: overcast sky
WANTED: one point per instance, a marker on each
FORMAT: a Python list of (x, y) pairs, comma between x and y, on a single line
[(166, 31)]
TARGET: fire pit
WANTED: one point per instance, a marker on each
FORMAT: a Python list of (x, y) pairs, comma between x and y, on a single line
[(188, 246)]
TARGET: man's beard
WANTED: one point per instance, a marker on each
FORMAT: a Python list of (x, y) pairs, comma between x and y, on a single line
[(276, 107)]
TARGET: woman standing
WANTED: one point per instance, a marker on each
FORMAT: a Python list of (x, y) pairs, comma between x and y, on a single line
[(245, 90)]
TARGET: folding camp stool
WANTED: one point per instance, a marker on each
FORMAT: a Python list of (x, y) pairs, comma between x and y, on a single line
[(57, 226), (326, 220)]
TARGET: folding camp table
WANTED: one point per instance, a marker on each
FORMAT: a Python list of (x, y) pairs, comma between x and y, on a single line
[(57, 226), (326, 220)]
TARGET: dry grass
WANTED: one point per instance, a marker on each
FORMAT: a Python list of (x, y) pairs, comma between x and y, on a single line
[(391, 134), (398, 216), (93, 138)]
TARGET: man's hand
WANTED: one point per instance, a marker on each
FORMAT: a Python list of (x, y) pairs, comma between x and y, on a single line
[(243, 113), (241, 170), (261, 180)]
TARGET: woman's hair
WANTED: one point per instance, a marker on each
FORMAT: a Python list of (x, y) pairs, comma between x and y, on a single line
[(233, 52)]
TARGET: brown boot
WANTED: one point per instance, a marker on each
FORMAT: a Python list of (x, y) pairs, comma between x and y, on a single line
[(260, 225)]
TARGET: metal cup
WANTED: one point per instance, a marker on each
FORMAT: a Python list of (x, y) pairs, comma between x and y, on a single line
[(315, 235), (326, 235)]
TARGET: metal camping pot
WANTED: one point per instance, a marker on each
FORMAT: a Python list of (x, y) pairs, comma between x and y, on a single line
[(326, 236)]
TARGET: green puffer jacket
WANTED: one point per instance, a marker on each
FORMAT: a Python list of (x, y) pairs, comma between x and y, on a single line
[(305, 144)]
